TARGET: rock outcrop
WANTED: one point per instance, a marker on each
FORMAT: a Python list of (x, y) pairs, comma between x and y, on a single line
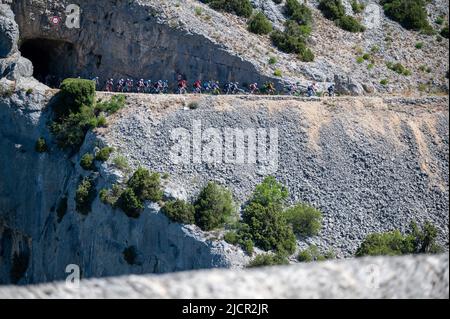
[(380, 277)]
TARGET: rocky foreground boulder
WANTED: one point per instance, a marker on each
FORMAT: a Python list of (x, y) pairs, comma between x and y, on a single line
[(378, 277)]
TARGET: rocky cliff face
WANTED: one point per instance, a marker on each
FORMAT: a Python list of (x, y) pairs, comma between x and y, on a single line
[(124, 39)]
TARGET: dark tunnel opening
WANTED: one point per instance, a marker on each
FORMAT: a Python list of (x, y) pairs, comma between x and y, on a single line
[(53, 60)]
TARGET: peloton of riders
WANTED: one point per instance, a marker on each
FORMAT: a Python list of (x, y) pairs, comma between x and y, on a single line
[(209, 87)]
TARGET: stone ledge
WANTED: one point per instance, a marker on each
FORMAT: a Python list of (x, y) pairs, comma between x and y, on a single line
[(375, 277)]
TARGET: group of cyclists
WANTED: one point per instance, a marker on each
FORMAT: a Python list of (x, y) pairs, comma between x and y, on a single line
[(207, 87)]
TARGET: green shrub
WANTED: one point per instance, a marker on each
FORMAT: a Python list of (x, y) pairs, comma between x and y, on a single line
[(334, 10), (239, 7), (297, 29), (41, 145), (370, 66), (29, 91), (398, 68), (366, 56), (300, 13), (359, 59), (419, 45), (214, 207), (179, 211), (305, 219), (85, 195), (259, 24), (268, 227), (394, 243), (270, 192), (104, 154), (278, 73), (411, 14), (146, 186), (357, 7), (384, 82), (348, 23), (102, 121), (440, 20), (130, 203), (71, 130), (272, 60), (375, 49), (248, 246), (231, 237), (268, 260), (87, 162), (312, 253), (110, 197), (74, 94), (116, 103)]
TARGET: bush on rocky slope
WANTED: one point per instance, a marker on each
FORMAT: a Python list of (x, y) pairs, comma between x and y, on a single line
[(214, 207), (334, 10), (85, 195), (263, 215), (268, 260), (259, 24), (394, 243), (239, 7), (74, 94), (312, 253), (179, 211), (305, 219), (411, 14), (146, 185), (131, 205), (87, 162), (296, 31)]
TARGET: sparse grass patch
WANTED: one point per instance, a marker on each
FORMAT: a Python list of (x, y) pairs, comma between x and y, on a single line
[(121, 162), (384, 82), (419, 45), (103, 154), (278, 73), (272, 60)]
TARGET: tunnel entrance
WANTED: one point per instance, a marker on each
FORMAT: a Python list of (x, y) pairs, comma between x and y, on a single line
[(53, 60)]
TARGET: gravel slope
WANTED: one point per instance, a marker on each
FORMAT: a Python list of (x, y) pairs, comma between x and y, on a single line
[(369, 164)]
